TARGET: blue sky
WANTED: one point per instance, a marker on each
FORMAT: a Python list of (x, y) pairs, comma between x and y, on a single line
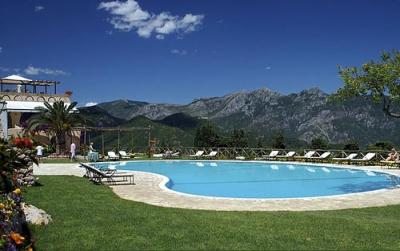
[(174, 51)]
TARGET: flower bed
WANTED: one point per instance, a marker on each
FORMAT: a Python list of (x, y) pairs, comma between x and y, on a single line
[(16, 160)]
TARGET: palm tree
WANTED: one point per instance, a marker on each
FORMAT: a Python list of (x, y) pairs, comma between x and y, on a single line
[(59, 118)]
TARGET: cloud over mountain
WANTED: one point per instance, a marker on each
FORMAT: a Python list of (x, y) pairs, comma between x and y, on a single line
[(128, 15)]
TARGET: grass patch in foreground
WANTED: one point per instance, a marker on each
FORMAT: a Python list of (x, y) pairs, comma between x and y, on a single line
[(92, 217)]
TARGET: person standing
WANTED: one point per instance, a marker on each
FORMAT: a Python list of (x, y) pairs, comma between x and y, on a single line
[(73, 151), (39, 152)]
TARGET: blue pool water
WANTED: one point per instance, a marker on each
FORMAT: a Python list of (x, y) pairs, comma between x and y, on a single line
[(259, 180)]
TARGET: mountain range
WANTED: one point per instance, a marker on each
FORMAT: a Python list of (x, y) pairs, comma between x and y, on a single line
[(301, 116)]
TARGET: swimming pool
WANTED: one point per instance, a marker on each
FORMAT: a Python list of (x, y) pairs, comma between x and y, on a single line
[(260, 179)]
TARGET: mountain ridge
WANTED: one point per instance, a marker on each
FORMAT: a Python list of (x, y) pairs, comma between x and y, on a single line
[(303, 115)]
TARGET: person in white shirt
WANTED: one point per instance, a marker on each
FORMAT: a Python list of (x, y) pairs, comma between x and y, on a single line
[(39, 152), (73, 151)]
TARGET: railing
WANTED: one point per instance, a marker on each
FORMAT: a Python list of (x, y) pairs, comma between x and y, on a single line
[(252, 153), (34, 97)]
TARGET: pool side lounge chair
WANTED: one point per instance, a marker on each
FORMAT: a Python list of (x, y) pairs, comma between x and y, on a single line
[(366, 159), (198, 154), (348, 158), (124, 155), (288, 155), (158, 155), (212, 154), (390, 163), (175, 155), (307, 155), (170, 154), (272, 155), (110, 178), (112, 156), (240, 157), (322, 157)]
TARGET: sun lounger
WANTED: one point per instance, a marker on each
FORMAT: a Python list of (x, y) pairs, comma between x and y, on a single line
[(288, 155), (111, 178), (158, 155), (271, 155), (306, 156), (198, 154), (123, 155), (112, 156), (240, 158), (212, 154), (170, 154), (391, 163), (175, 155), (323, 156), (366, 159), (348, 158)]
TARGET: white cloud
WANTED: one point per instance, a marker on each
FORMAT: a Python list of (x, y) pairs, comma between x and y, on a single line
[(31, 70), (179, 52), (128, 15), (39, 8), (268, 67), (90, 104), (1, 49), (7, 69)]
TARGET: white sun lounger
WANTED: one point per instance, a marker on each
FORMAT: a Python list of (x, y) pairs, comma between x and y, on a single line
[(123, 155), (211, 154), (287, 155), (306, 156), (349, 157), (321, 157), (112, 156), (271, 155), (198, 154), (367, 158)]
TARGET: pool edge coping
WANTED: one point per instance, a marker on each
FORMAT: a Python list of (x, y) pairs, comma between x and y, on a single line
[(163, 181)]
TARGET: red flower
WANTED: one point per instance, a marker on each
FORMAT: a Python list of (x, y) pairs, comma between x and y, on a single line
[(27, 142), (17, 141)]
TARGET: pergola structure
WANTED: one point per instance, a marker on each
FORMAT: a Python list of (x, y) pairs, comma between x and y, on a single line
[(23, 83), (86, 129)]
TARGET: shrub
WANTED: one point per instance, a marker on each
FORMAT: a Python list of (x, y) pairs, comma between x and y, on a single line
[(319, 143)]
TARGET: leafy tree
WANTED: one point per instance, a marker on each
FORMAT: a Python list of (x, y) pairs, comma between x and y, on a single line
[(379, 80), (260, 143), (319, 143), (351, 145), (59, 118), (381, 145), (278, 140), (207, 136), (238, 138)]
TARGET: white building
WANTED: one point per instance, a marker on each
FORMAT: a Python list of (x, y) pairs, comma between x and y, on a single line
[(20, 96)]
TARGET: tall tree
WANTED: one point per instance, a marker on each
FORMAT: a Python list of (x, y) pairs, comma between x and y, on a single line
[(319, 143), (278, 140), (379, 80), (207, 136), (238, 138), (59, 118)]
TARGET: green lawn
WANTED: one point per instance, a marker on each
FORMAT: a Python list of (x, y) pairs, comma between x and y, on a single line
[(88, 216)]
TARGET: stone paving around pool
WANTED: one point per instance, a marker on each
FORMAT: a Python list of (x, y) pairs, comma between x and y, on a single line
[(149, 188)]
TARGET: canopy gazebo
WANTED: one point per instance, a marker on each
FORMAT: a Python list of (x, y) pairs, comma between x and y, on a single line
[(20, 82)]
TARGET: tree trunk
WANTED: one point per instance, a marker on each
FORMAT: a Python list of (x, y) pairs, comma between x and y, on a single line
[(60, 142)]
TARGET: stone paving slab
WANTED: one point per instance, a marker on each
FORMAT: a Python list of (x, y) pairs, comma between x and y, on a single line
[(150, 188)]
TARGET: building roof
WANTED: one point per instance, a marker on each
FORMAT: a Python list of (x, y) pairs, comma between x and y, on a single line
[(24, 106), (16, 79)]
